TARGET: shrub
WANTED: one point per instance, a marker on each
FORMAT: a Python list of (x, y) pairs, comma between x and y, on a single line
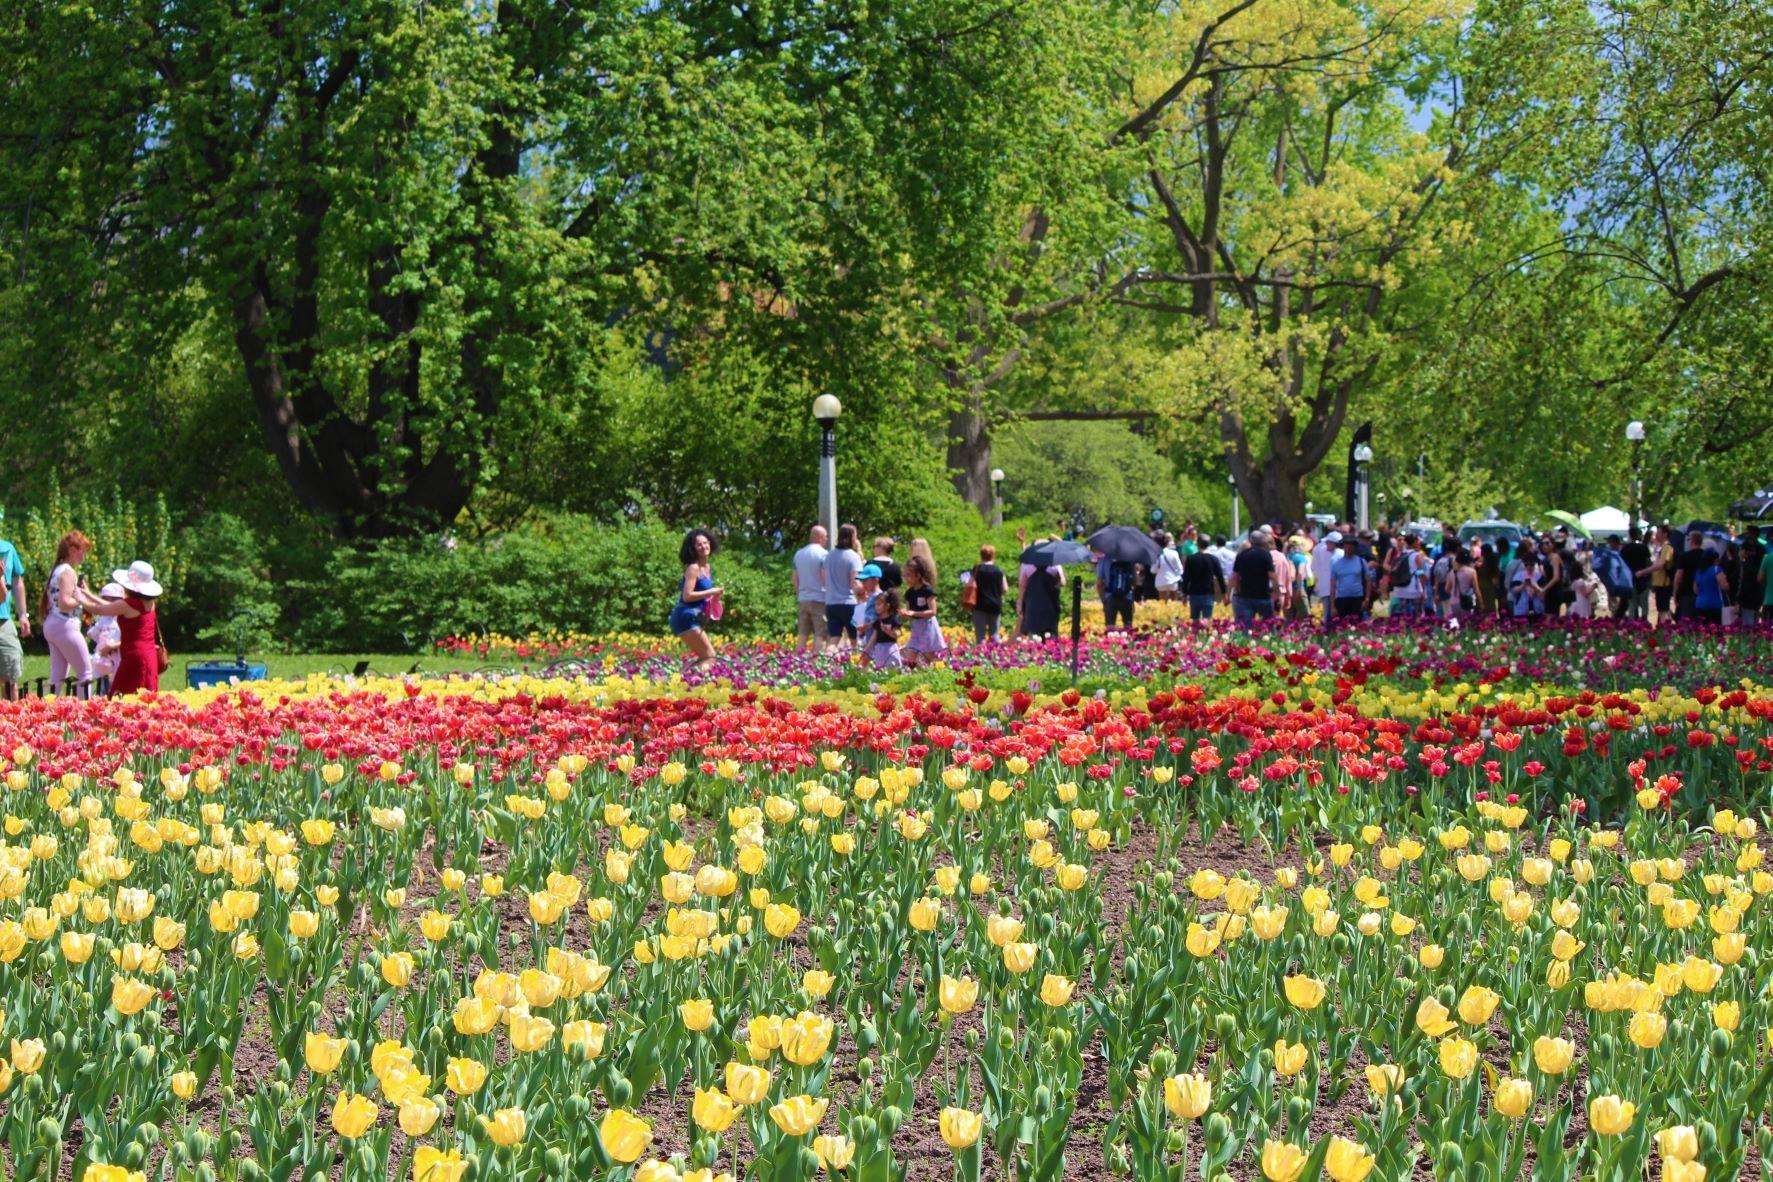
[(565, 572)]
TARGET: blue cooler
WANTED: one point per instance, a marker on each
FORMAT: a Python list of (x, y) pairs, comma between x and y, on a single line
[(202, 675), (221, 673)]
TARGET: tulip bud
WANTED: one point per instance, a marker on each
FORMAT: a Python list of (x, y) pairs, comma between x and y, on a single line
[(890, 1120)]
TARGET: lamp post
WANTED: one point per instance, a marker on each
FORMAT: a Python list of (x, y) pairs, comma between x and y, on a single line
[(1363, 456), (1634, 434), (997, 498), (826, 408), (1235, 523)]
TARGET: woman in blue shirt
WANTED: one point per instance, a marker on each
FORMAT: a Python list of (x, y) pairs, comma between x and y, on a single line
[(695, 596), (1710, 586)]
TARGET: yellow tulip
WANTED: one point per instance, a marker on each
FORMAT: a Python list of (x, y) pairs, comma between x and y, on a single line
[(130, 995), (1610, 1116), (418, 1114), (799, 1115), (506, 1127), (322, 1052), (697, 1014), (1432, 1018), (1384, 1078), (1514, 1097), (806, 1038), (353, 1115), (476, 1015), (1477, 1004), (780, 920), (1646, 1029), (431, 1164), (184, 1084), (1306, 993), (397, 969), (528, 1033), (834, 1151), (712, 1111), (77, 946), (464, 1077), (1268, 922), (1056, 990), (1678, 1143), (746, 1085), (27, 1055), (1726, 1016), (1019, 958), (1201, 941), (583, 1037), (1282, 1161), (957, 996), (960, 1128), (1458, 1057), (1290, 1058), (1553, 1055), (1188, 1096), (1347, 1161), (624, 1136)]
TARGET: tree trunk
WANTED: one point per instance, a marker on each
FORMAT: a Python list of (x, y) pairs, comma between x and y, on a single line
[(1272, 490), (969, 454)]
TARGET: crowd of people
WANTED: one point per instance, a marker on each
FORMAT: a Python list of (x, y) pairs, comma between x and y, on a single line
[(1340, 574), (107, 639)]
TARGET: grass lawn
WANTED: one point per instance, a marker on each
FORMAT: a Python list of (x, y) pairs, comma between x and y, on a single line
[(295, 665)]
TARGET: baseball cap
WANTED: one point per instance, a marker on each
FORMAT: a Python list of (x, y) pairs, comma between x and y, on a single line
[(870, 572), (1333, 536)]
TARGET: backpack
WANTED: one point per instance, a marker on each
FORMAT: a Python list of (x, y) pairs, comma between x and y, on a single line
[(1402, 574), (1121, 578)]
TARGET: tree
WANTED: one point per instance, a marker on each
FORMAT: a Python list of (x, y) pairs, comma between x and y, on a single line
[(409, 217)]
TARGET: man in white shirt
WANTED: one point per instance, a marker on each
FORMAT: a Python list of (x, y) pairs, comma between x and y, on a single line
[(1322, 555), (809, 591)]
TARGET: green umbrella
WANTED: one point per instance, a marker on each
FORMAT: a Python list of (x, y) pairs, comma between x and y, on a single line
[(1569, 519)]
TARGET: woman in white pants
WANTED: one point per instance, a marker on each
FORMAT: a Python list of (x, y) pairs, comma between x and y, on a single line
[(68, 655)]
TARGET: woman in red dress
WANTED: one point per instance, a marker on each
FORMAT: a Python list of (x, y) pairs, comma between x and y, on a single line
[(138, 666)]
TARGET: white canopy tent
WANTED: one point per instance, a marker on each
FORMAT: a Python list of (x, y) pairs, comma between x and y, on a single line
[(1607, 521)]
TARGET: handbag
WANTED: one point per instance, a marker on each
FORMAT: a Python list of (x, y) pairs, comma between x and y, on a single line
[(969, 592), (715, 608), (162, 659)]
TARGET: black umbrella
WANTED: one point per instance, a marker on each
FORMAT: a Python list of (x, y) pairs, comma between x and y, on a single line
[(1123, 543), (1057, 552)]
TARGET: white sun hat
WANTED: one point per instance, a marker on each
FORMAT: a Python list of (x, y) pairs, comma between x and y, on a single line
[(138, 579)]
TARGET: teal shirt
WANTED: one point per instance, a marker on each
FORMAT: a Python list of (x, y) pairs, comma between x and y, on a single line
[(11, 569), (1767, 580)]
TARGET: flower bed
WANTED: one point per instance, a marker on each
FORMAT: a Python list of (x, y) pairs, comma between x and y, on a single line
[(1573, 654), (530, 929)]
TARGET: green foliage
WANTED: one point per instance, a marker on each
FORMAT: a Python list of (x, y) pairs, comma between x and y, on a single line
[(1102, 471), (230, 595), (376, 268), (563, 572), (121, 530)]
